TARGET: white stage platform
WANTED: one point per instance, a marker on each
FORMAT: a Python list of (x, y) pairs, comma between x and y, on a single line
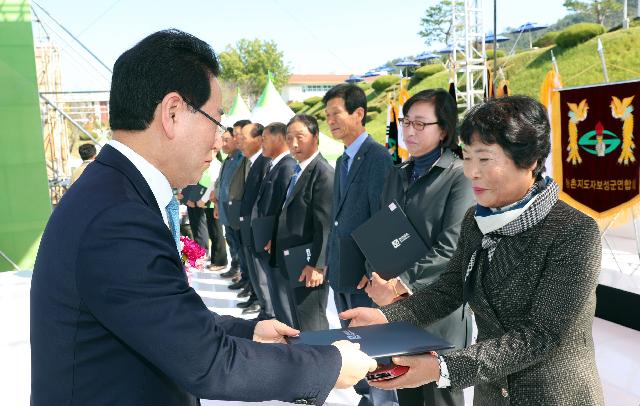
[(617, 347)]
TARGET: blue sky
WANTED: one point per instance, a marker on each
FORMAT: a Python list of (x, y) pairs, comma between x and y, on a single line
[(330, 36)]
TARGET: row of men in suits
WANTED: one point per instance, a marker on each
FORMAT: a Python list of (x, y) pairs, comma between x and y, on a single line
[(279, 171)]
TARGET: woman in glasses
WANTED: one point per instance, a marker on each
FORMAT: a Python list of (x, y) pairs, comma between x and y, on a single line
[(434, 193)]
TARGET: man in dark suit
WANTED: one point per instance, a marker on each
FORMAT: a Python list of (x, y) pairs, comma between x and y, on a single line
[(271, 195), (250, 143), (305, 219), (359, 180), (113, 319)]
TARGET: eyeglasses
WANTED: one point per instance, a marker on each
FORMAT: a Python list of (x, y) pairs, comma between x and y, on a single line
[(417, 125), (220, 129)]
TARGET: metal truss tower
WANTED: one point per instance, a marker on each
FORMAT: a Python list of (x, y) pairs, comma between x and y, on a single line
[(468, 56)]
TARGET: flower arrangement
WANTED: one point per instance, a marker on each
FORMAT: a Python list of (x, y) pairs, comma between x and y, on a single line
[(192, 256)]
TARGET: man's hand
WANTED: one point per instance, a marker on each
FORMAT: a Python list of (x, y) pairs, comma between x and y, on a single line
[(190, 204), (381, 291), (363, 316), (355, 364), (313, 276), (201, 203), (363, 282), (267, 247), (423, 369), (273, 331), (216, 214)]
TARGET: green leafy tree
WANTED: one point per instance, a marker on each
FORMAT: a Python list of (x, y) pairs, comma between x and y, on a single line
[(246, 65), (603, 10), (437, 23)]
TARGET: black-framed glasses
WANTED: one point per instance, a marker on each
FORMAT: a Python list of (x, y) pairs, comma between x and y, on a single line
[(220, 129), (417, 125)]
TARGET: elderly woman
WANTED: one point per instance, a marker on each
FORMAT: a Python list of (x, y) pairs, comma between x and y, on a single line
[(527, 265), (433, 192)]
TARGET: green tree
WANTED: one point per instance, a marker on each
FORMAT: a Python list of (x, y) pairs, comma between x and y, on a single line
[(247, 63), (437, 23), (603, 10)]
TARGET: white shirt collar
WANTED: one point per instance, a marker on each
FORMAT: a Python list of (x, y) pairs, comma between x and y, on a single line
[(307, 161), (255, 156), (277, 159), (157, 182)]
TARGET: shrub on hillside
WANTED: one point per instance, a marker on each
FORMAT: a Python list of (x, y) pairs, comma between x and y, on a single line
[(546, 40), (364, 86), (428, 70), (320, 115), (296, 106), (374, 107), (313, 100), (384, 82), (371, 115), (500, 53), (578, 33)]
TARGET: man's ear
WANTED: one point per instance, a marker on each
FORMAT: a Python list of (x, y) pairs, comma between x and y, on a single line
[(359, 112), (169, 109)]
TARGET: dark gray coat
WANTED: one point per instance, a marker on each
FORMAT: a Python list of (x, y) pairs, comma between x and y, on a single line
[(534, 310), (435, 204)]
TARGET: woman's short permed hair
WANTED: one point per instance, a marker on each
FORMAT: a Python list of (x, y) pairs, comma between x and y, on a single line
[(519, 124)]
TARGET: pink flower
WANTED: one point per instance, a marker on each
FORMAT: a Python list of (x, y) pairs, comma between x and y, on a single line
[(192, 253)]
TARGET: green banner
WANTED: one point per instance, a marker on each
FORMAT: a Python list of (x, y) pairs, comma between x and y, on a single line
[(24, 197)]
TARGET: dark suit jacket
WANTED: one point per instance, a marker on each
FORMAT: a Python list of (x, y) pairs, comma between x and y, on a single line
[(361, 200), (273, 188), (304, 218), (252, 185), (534, 308), (236, 189), (113, 320)]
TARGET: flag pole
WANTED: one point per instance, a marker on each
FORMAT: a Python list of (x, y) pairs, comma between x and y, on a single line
[(495, 46), (602, 60), (554, 62), (625, 17)]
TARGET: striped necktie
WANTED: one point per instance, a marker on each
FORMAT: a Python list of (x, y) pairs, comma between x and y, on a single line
[(294, 179)]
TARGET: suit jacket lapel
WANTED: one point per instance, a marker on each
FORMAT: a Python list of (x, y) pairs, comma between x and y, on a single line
[(302, 179), (509, 254)]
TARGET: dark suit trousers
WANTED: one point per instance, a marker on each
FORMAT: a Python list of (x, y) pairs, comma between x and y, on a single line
[(258, 278), (430, 395), (310, 305), (218, 247), (234, 246), (279, 292), (198, 223)]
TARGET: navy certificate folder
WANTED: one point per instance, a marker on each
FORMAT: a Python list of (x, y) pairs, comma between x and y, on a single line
[(295, 259), (379, 340), (389, 241)]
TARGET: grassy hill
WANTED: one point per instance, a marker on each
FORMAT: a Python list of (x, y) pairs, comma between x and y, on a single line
[(525, 71)]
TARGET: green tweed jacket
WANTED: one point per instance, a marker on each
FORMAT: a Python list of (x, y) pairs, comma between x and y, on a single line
[(534, 310)]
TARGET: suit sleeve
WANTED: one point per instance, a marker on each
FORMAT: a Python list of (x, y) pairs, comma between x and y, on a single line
[(429, 268), (131, 280), (321, 211), (567, 285)]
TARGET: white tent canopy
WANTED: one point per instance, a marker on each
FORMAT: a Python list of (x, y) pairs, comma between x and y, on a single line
[(238, 111), (271, 107)]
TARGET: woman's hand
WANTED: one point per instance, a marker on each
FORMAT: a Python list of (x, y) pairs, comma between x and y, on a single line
[(423, 369), (363, 316), (381, 291)]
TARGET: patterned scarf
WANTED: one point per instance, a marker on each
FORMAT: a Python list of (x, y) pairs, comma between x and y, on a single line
[(533, 208)]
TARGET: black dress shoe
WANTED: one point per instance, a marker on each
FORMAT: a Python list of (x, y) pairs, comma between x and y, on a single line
[(230, 273), (244, 305), (246, 292), (238, 285), (254, 308)]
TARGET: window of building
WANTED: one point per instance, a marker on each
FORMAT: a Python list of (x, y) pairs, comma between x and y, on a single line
[(316, 88)]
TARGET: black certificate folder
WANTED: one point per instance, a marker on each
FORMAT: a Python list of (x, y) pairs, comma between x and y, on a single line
[(262, 228), (295, 259), (389, 241), (380, 340)]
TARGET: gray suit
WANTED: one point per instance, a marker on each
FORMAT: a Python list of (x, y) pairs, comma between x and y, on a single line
[(435, 204), (534, 307)]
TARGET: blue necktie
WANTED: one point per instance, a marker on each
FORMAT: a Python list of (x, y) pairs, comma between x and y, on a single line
[(294, 179), (344, 174), (173, 215)]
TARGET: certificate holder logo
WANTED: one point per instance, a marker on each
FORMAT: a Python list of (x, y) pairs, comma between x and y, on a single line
[(398, 241), (351, 335)]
